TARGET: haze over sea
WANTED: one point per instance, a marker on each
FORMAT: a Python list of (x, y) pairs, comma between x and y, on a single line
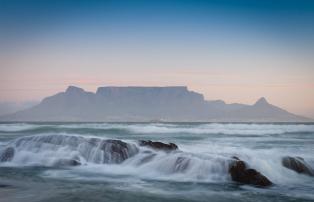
[(33, 175)]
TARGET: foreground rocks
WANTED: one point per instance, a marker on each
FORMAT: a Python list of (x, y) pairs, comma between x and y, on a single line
[(158, 145), (298, 165), (240, 173), (98, 150)]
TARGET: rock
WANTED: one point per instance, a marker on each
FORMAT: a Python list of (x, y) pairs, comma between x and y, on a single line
[(67, 162), (181, 164), (4, 186), (116, 151), (298, 165), (240, 173), (7, 154), (159, 145)]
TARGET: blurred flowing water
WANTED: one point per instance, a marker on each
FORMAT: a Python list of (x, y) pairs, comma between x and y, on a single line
[(31, 174)]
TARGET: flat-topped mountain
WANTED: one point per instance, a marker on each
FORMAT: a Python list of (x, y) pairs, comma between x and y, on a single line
[(174, 103)]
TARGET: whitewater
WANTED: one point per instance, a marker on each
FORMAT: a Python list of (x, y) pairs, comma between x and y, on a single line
[(80, 162)]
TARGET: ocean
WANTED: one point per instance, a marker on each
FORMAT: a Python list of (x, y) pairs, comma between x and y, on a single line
[(34, 172)]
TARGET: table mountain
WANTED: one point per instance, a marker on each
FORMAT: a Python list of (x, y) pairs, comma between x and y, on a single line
[(174, 103)]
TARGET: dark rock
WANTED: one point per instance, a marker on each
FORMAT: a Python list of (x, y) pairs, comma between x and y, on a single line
[(116, 151), (159, 145), (240, 173), (7, 154), (67, 162), (4, 186), (298, 165)]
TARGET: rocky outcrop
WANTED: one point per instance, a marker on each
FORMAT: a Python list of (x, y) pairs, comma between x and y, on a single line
[(298, 165), (159, 145), (7, 154), (240, 173)]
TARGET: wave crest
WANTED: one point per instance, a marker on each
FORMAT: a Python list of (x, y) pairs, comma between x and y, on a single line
[(210, 128)]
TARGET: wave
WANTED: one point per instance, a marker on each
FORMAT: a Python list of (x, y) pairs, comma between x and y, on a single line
[(17, 127), (115, 157), (112, 156), (210, 128), (46, 149), (228, 129)]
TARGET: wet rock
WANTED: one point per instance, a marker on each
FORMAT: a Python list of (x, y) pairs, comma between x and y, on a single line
[(159, 145), (181, 164), (7, 154), (240, 173), (298, 165), (116, 151), (67, 162)]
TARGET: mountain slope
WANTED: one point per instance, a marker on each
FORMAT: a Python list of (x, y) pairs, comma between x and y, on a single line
[(175, 103), (264, 112)]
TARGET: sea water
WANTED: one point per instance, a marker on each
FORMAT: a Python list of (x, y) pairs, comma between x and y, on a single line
[(33, 176)]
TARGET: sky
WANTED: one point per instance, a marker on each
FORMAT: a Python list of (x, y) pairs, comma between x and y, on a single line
[(234, 50)]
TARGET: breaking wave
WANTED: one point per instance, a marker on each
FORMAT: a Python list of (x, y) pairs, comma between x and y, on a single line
[(115, 157), (210, 128)]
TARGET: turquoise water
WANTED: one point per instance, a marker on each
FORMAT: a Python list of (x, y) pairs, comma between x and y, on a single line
[(32, 176)]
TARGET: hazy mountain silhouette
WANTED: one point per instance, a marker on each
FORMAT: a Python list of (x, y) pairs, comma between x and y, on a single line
[(175, 103)]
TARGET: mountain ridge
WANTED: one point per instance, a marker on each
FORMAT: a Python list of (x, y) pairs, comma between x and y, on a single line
[(143, 104)]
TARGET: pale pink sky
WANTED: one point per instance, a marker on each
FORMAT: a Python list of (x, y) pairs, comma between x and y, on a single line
[(286, 79)]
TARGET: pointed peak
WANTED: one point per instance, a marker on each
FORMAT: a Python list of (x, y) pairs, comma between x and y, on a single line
[(261, 101), (74, 89)]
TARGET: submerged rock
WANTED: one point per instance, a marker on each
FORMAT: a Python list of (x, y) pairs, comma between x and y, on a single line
[(4, 185), (7, 154), (159, 145), (298, 165), (67, 162), (147, 158), (240, 173), (181, 164)]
